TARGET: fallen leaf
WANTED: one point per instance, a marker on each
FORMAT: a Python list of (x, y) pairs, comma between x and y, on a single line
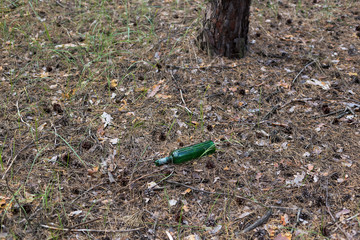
[(216, 229), (69, 45), (154, 90), (162, 96), (324, 85), (113, 84), (100, 131), (44, 74), (114, 141), (75, 213), (29, 197), (92, 171), (151, 185), (192, 237), (286, 236), (310, 167), (186, 208), (4, 203), (172, 202), (106, 119), (284, 219), (186, 191), (41, 127), (195, 123), (342, 212), (244, 214)]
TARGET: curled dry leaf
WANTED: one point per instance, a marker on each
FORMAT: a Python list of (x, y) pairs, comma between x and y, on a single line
[(93, 170), (285, 236), (186, 191)]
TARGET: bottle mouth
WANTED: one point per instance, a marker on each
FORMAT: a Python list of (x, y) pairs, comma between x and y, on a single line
[(162, 161)]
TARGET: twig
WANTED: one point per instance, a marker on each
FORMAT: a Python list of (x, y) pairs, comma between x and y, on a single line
[(59, 3), (188, 110), (164, 179), (307, 65), (342, 113), (12, 162), (352, 217), (271, 112), (329, 211), (259, 222), (21, 119), (218, 193), (155, 224), (78, 225), (237, 196), (182, 98), (144, 176), (329, 114), (90, 230), (86, 192), (181, 95), (201, 68), (18, 203)]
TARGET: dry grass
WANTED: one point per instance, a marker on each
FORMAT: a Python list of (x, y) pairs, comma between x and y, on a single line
[(283, 144)]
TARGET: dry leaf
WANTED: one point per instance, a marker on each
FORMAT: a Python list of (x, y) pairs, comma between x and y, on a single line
[(106, 119), (284, 219), (69, 45), (100, 131), (162, 96), (114, 141), (186, 191), (324, 85), (92, 171), (44, 74), (185, 208), (113, 83), (172, 202), (4, 203), (154, 90), (123, 106), (286, 236), (342, 212), (310, 167), (41, 127)]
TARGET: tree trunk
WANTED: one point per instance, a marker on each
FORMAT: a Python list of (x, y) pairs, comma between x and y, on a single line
[(225, 28)]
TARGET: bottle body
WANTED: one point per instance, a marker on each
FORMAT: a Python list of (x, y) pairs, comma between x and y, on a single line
[(188, 153)]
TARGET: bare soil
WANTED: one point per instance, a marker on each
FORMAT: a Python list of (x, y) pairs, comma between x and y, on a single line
[(285, 120)]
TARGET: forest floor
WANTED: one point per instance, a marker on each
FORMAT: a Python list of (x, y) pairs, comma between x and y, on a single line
[(92, 92)]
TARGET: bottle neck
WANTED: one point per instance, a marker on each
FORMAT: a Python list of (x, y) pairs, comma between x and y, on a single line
[(163, 161)]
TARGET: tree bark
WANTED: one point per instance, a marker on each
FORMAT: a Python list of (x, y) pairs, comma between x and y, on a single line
[(225, 28)]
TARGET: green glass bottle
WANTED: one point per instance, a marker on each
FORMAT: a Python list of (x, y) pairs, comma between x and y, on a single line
[(188, 153)]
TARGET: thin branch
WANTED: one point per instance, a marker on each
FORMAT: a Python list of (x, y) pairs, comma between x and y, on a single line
[(307, 65), (87, 192), (18, 203), (90, 230), (218, 193), (78, 225), (13, 160), (259, 222)]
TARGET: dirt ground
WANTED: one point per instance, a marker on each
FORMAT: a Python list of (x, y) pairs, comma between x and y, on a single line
[(92, 92)]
